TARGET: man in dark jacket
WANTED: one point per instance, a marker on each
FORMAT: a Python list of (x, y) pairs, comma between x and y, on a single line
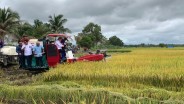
[(63, 50), (20, 55)]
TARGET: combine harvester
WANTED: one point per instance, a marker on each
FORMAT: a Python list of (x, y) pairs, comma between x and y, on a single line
[(51, 58), (53, 55)]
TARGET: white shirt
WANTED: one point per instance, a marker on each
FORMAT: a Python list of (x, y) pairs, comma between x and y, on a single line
[(27, 49), (58, 44)]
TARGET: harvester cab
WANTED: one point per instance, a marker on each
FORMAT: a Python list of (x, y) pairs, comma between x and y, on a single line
[(52, 53)]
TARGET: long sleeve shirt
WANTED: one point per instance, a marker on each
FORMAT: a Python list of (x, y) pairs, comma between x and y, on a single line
[(58, 44)]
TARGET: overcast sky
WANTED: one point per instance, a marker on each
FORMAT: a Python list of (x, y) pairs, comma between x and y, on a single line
[(134, 21)]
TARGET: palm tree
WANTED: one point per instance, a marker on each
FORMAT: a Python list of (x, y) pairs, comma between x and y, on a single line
[(24, 28), (8, 21), (40, 29), (56, 24), (37, 23)]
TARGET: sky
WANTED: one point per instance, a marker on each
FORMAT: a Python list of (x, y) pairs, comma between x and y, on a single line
[(133, 21)]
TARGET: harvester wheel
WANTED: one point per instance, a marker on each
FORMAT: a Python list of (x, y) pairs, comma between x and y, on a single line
[(5, 62)]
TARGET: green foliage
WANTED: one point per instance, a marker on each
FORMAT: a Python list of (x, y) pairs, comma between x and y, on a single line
[(114, 40), (57, 24), (37, 30), (92, 31), (162, 45), (23, 29), (8, 21), (40, 28), (86, 42)]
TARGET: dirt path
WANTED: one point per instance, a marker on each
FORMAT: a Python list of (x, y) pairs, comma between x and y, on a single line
[(14, 76)]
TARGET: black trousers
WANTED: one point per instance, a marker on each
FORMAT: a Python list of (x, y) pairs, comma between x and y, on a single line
[(21, 61), (39, 61), (28, 60)]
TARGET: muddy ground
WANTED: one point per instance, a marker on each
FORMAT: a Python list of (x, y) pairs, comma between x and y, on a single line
[(12, 75)]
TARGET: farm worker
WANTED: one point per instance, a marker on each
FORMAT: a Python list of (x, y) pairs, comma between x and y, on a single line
[(38, 51), (63, 52), (20, 54), (27, 48), (97, 51), (59, 46)]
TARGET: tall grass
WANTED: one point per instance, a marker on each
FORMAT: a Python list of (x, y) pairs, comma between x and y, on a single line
[(58, 94)]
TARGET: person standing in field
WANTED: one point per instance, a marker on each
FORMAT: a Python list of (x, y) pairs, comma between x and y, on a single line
[(59, 46), (27, 48), (38, 51), (20, 54)]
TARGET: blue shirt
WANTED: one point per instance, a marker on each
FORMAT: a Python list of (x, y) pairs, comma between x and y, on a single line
[(38, 51)]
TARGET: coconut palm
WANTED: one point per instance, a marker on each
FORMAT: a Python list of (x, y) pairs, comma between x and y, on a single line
[(37, 23), (40, 29), (8, 21), (56, 24), (24, 28)]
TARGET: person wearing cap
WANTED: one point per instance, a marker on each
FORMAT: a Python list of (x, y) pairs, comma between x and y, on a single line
[(38, 51), (27, 48), (59, 46)]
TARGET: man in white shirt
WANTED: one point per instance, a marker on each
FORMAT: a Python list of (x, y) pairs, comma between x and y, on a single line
[(27, 48), (59, 46)]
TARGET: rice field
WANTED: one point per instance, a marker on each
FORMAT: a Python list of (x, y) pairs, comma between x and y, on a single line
[(142, 76), (159, 68)]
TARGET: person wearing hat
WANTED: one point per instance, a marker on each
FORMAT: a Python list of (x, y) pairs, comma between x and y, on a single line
[(38, 51), (27, 48)]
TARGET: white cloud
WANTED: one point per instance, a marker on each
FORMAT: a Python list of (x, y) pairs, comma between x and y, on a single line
[(134, 21)]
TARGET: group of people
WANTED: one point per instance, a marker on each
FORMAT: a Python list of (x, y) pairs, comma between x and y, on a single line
[(27, 51)]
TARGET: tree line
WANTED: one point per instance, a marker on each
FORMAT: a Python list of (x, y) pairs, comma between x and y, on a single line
[(10, 23), (91, 35)]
